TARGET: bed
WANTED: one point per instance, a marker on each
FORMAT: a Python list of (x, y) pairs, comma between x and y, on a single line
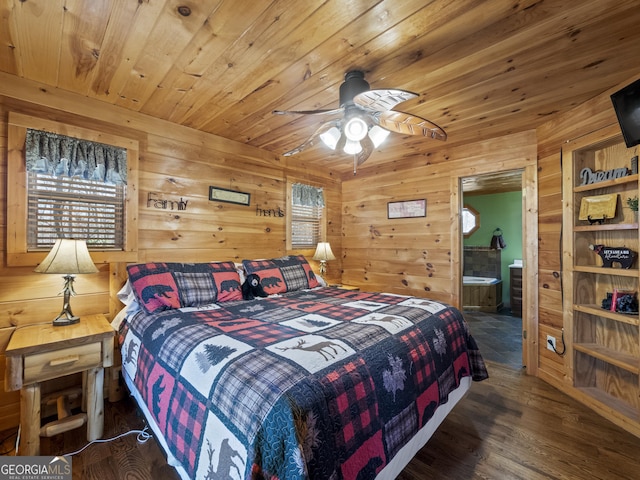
[(310, 382)]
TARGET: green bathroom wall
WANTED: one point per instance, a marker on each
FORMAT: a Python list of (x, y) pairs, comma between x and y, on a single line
[(504, 211)]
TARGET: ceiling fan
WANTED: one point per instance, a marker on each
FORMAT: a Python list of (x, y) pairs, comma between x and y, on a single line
[(366, 119)]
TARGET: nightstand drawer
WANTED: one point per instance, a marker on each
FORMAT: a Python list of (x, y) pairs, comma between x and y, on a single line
[(48, 365)]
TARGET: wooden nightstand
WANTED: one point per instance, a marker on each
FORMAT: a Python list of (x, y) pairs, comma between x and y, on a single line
[(43, 352), (344, 286)]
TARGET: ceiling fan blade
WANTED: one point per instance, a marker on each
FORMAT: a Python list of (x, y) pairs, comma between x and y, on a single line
[(367, 150), (311, 140), (308, 112), (407, 124), (341, 142), (382, 100)]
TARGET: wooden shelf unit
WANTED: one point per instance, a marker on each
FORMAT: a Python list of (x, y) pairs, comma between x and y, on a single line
[(604, 348), (515, 290)]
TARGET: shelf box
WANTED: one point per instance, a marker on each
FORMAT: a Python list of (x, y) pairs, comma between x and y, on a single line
[(590, 289), (599, 311), (604, 346), (607, 402), (615, 382), (608, 339), (620, 360), (584, 256), (629, 179)]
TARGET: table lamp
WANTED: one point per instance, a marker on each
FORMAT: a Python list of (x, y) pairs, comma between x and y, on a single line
[(323, 253), (67, 257)]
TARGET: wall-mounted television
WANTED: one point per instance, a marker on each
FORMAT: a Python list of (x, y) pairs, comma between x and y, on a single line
[(626, 103)]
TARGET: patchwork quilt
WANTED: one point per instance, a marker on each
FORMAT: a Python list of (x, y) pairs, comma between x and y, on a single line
[(313, 384)]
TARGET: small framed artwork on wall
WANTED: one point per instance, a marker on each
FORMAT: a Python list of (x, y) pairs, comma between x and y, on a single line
[(229, 196), (407, 209)]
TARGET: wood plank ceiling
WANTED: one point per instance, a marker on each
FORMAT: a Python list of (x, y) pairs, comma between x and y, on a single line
[(482, 68)]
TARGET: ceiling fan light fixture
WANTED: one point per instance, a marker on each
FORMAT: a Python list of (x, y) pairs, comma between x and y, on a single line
[(378, 135), (330, 137), (366, 119), (355, 129), (352, 147)]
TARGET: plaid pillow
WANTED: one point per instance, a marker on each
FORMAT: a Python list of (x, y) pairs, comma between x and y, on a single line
[(195, 288), (165, 286), (281, 275)]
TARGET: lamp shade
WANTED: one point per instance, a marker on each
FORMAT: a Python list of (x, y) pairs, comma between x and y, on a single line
[(378, 135), (323, 252), (68, 256), (356, 129), (352, 147), (331, 137)]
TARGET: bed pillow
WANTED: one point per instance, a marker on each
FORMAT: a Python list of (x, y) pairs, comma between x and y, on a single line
[(126, 294), (281, 275), (240, 270), (165, 286)]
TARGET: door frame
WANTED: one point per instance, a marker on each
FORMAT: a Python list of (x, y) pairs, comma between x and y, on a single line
[(530, 342)]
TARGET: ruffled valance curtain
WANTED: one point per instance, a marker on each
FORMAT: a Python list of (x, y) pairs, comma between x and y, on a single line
[(60, 155), (307, 195)]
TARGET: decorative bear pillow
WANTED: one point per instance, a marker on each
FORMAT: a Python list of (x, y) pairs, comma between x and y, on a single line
[(284, 274), (165, 286)]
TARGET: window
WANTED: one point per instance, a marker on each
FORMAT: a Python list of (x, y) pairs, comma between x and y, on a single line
[(76, 189), (470, 220), (91, 200), (307, 215), (69, 207)]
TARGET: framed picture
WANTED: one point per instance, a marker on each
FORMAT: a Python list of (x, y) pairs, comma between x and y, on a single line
[(229, 196), (407, 209)]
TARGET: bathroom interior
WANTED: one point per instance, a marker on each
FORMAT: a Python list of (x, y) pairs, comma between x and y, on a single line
[(492, 265)]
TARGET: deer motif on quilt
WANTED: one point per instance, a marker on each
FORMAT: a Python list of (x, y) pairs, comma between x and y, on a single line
[(131, 350), (327, 348), (395, 321), (225, 462)]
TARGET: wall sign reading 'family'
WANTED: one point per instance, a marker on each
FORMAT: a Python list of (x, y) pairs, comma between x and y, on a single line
[(153, 200)]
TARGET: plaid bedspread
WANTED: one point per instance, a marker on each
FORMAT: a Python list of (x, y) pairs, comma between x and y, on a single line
[(322, 384)]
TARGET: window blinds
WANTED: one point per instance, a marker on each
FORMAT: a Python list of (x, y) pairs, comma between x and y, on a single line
[(64, 207)]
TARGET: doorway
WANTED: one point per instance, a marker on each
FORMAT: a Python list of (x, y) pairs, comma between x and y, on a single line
[(493, 245)]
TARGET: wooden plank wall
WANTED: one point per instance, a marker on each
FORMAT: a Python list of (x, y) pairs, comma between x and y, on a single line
[(417, 256), (176, 164), (423, 256), (410, 256), (589, 117)]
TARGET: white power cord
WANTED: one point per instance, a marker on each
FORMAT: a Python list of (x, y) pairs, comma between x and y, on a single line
[(143, 436), (18, 438)]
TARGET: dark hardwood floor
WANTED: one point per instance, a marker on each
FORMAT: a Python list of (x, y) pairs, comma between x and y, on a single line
[(511, 426), (514, 426)]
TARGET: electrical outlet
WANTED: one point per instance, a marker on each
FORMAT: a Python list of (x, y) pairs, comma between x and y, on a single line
[(551, 343)]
